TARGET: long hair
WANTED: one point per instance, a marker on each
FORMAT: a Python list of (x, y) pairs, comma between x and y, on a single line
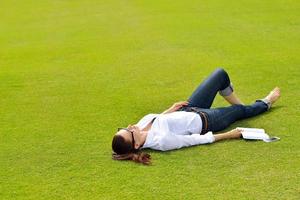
[(124, 151)]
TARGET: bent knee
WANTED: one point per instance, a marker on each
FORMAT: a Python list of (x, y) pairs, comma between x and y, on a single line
[(221, 71), (223, 76)]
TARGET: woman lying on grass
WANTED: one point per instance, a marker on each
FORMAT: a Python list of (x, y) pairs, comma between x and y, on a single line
[(189, 122)]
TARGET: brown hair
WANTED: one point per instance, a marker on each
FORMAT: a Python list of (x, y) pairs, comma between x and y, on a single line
[(124, 151)]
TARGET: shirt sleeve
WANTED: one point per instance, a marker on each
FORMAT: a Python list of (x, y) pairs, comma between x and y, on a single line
[(170, 142)]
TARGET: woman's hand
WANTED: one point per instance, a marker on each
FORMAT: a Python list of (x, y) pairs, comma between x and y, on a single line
[(134, 128), (233, 134), (236, 133), (176, 106)]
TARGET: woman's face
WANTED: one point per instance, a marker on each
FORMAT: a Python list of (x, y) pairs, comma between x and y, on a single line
[(131, 134)]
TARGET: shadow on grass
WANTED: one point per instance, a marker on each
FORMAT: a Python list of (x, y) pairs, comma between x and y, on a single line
[(273, 109)]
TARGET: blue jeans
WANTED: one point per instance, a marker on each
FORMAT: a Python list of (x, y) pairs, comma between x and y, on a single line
[(220, 118)]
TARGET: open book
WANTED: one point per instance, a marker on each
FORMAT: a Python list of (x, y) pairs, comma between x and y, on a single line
[(257, 134)]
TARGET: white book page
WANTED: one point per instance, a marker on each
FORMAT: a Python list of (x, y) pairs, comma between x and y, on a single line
[(256, 130), (254, 133), (257, 134)]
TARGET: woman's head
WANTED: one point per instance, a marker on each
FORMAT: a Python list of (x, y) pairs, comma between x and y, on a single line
[(121, 143), (126, 144)]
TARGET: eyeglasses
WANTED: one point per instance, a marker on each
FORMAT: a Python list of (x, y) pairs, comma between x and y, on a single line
[(133, 142)]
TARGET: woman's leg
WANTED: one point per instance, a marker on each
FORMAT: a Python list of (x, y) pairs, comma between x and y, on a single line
[(233, 99), (221, 118), (205, 93)]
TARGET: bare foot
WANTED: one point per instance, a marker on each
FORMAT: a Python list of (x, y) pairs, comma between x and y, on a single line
[(273, 95)]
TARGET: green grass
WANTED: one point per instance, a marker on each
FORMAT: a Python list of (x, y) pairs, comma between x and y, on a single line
[(71, 72)]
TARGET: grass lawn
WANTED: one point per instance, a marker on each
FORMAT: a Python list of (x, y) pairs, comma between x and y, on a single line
[(71, 72)]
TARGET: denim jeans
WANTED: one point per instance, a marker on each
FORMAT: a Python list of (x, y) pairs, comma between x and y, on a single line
[(220, 118)]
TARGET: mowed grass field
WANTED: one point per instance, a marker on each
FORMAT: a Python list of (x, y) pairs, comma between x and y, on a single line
[(71, 72)]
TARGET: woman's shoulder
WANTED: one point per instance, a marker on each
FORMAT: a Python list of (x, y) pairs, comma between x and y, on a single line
[(146, 119)]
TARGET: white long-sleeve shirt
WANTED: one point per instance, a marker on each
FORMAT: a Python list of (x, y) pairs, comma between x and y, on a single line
[(174, 130)]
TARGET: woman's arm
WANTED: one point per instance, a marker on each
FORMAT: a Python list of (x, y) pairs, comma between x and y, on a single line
[(233, 134), (175, 107), (173, 141), (170, 142)]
